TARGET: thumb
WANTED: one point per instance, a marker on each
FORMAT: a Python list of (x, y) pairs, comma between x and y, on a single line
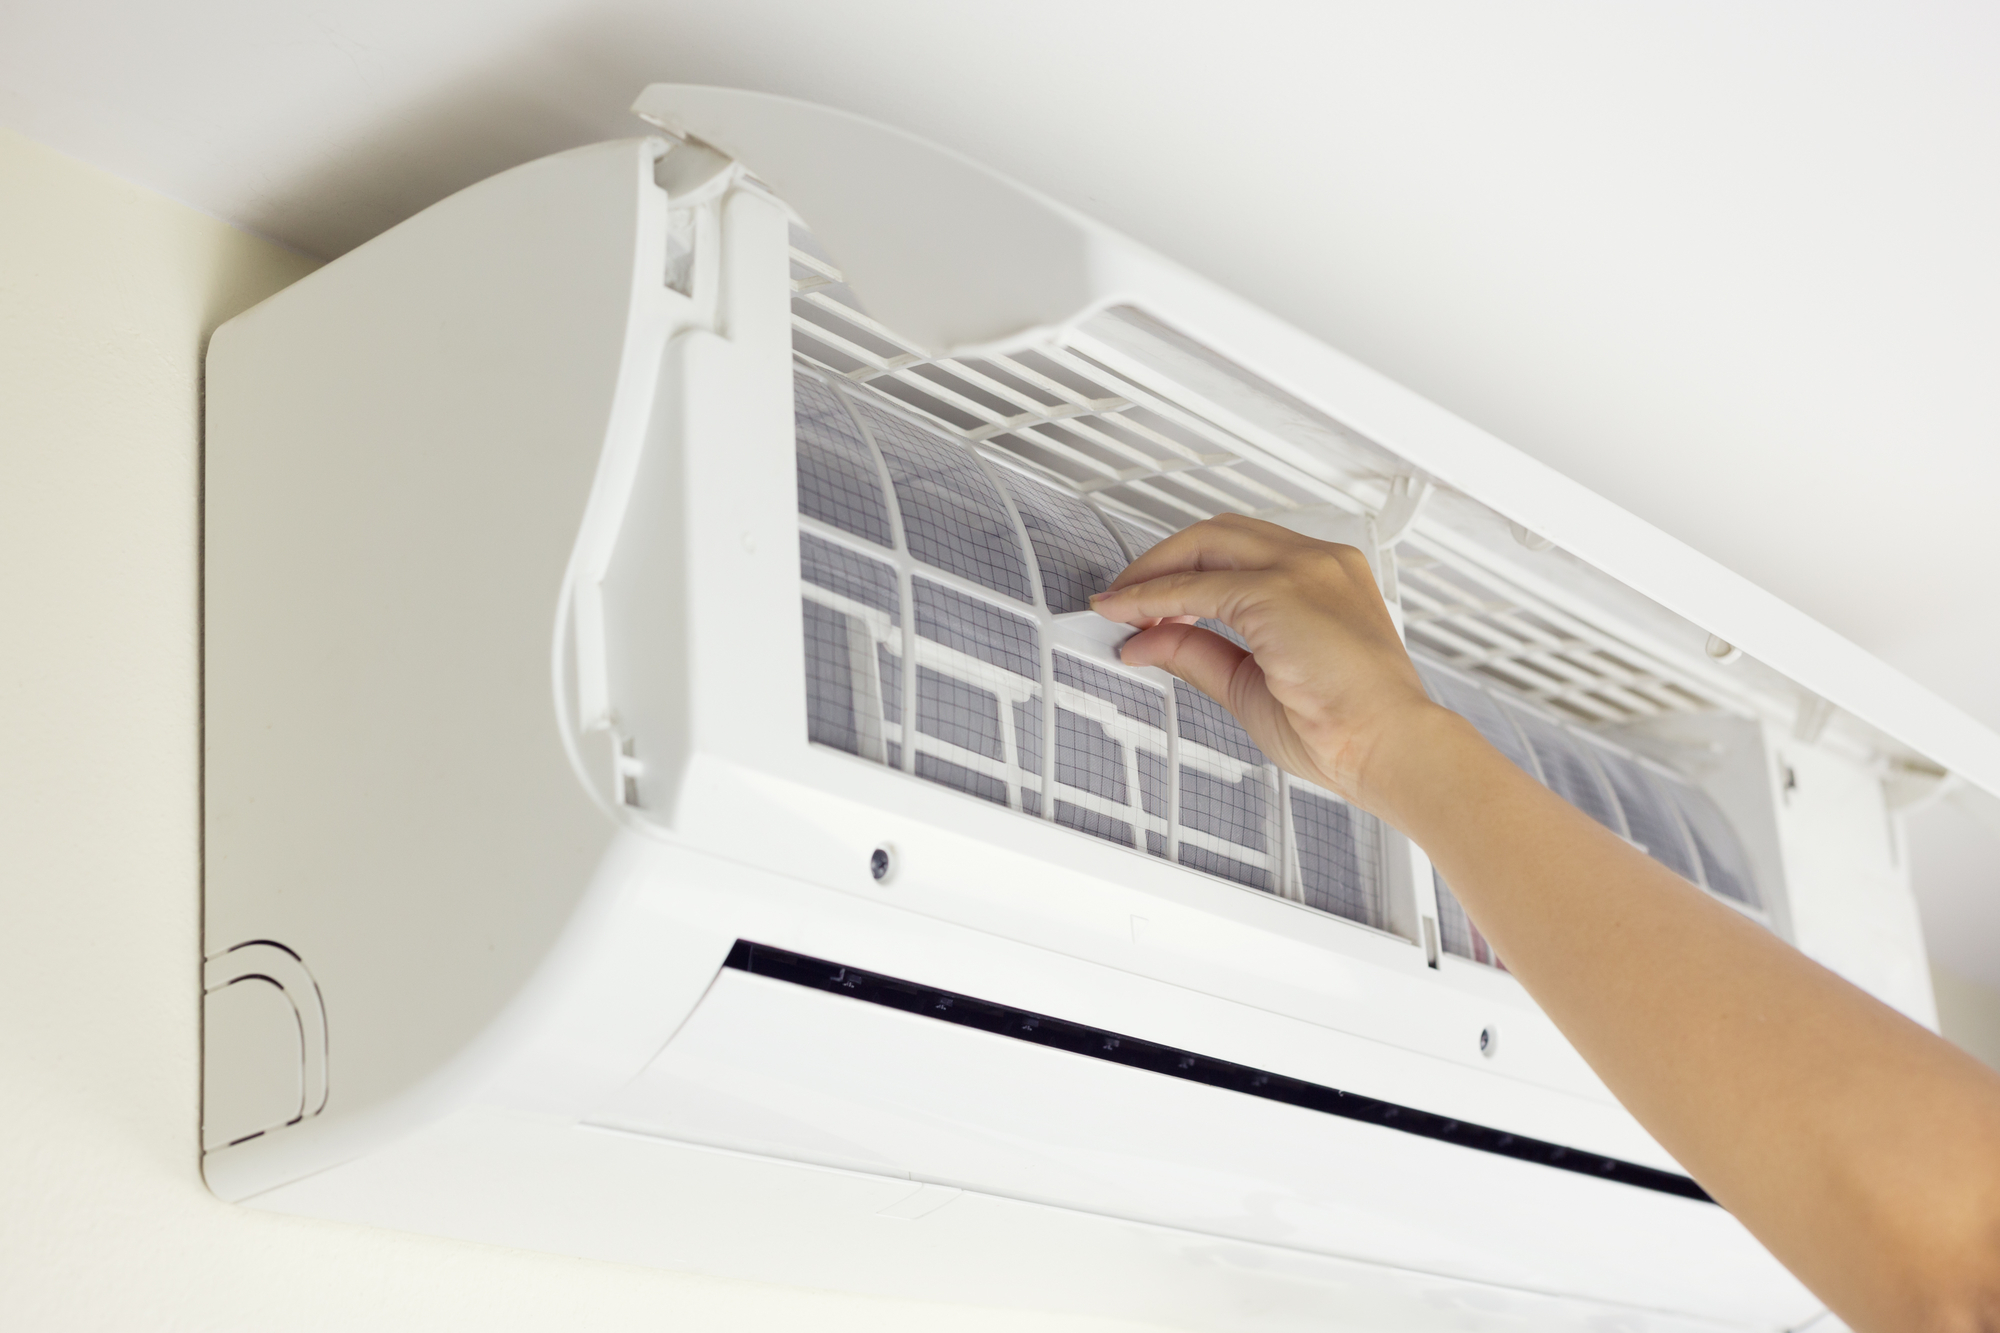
[(1202, 658)]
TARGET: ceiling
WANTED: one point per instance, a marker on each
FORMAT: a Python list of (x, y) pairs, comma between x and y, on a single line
[(1733, 265)]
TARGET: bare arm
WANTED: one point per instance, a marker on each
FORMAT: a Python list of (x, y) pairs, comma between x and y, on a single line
[(1861, 1149)]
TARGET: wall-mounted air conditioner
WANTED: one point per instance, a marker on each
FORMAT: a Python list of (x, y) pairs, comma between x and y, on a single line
[(667, 800)]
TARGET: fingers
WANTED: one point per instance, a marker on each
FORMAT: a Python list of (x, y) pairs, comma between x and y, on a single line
[(1202, 658), (1230, 541), (1186, 594)]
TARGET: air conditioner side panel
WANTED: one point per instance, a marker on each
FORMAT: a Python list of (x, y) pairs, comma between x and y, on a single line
[(399, 449), (1852, 907), (704, 649)]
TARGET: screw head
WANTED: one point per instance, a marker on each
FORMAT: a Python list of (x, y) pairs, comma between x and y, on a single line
[(880, 862)]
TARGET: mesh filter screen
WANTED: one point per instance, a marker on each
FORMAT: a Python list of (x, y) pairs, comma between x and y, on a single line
[(1167, 775), (1724, 864), (850, 576), (1073, 550), (953, 518), (1096, 824), (830, 716), (1672, 821), (1138, 701), (1136, 538), (1088, 759), (959, 714), (839, 482), (960, 778), (982, 557), (1569, 770), (977, 628), (1649, 815), (1111, 744), (1208, 724), (1339, 858), (1477, 707)]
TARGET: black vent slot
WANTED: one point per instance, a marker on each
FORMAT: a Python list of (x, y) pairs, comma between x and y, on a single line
[(1078, 1039)]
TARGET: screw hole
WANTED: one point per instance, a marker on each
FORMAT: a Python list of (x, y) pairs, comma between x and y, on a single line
[(881, 862), (1489, 1042)]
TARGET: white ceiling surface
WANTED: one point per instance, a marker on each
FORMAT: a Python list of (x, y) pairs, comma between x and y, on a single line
[(1734, 265)]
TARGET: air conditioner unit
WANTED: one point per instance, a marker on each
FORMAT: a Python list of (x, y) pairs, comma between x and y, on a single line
[(666, 800)]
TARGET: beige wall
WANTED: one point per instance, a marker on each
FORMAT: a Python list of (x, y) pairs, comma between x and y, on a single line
[(107, 293)]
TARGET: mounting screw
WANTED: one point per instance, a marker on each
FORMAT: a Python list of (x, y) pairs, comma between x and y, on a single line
[(882, 863), (1489, 1042)]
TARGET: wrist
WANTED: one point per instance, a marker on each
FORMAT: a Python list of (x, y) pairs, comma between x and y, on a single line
[(1403, 761)]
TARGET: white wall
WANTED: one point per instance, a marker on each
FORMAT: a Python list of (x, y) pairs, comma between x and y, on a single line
[(107, 293)]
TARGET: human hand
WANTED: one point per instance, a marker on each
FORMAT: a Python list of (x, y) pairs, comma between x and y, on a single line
[(1326, 683)]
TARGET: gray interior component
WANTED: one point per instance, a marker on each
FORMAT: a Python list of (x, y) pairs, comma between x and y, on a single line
[(1339, 858), (1088, 759), (1676, 823), (830, 718), (839, 483), (1136, 538), (1649, 815), (1074, 551), (889, 670), (1724, 863), (1135, 699), (850, 574), (959, 714), (1153, 779), (953, 518), (1206, 722), (977, 628), (1237, 812), (1225, 867), (1028, 726), (1569, 770), (957, 776), (1092, 822), (1478, 707)]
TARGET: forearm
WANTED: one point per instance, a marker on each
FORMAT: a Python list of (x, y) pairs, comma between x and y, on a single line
[(1792, 1096), (1862, 1150)]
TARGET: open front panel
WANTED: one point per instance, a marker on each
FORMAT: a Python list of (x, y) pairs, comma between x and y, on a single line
[(952, 511)]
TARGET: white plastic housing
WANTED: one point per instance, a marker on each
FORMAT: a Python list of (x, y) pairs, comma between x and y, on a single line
[(506, 499)]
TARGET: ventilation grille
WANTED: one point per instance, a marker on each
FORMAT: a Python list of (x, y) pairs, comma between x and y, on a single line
[(933, 574), (1062, 410), (1478, 623), (1092, 417)]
